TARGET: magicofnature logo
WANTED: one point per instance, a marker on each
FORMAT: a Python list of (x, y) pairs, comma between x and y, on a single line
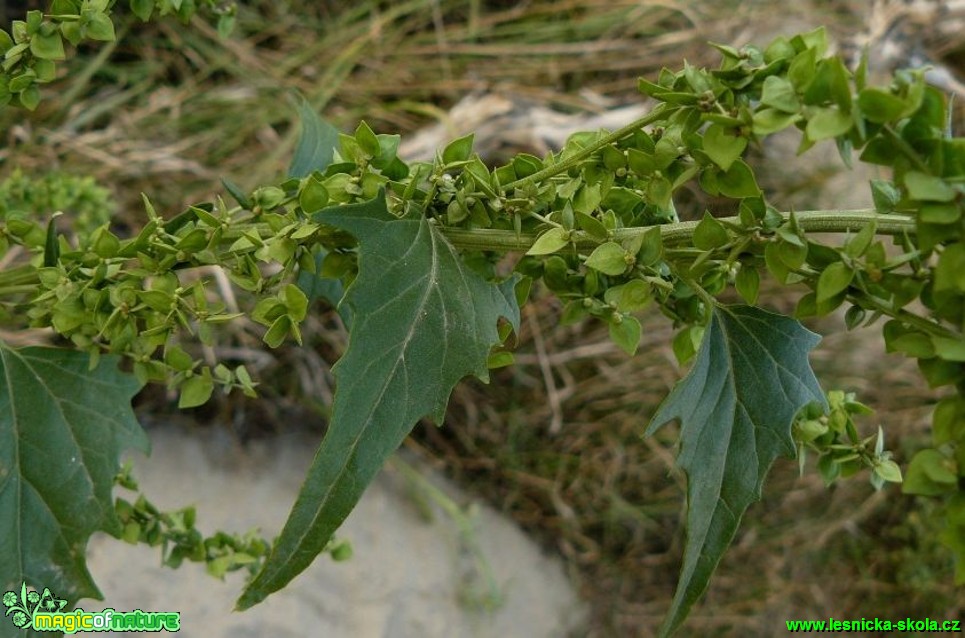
[(45, 612)]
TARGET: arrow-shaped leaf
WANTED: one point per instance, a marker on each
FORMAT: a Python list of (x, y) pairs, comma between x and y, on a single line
[(62, 429), (422, 321), (736, 406), (316, 144)]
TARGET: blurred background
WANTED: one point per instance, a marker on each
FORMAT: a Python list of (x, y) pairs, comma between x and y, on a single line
[(555, 441)]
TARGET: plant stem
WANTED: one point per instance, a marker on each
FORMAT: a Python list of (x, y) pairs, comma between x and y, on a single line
[(659, 113), (930, 327), (825, 221)]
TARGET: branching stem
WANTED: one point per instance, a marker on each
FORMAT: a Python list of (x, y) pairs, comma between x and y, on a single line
[(823, 221)]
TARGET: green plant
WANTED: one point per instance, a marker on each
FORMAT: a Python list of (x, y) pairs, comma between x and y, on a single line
[(412, 256)]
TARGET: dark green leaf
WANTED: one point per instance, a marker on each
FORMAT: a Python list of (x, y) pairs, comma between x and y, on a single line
[(62, 429), (316, 146), (736, 407), (423, 321)]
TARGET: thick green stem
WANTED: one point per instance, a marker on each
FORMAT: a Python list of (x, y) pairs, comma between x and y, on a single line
[(821, 221)]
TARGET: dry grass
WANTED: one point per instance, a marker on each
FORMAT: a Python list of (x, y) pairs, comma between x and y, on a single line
[(554, 441)]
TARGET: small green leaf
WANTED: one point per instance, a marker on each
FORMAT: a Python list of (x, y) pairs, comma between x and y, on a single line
[(196, 390), (500, 359), (30, 97), (767, 121), (686, 342), (912, 344), (858, 244), (177, 358), (458, 150), (885, 195), (268, 197), (736, 407), (367, 140), (142, 9), (553, 240), (928, 187), (591, 226), (889, 471), (940, 213), (827, 123), (949, 349), (738, 181), (779, 93), (833, 280), (641, 163), (526, 165), (625, 332), (948, 421), (710, 233), (296, 302), (722, 147), (929, 474), (609, 258), (880, 106), (748, 283), (100, 27), (313, 195), (950, 271), (652, 248), (629, 297), (52, 244), (47, 47), (280, 327), (6, 42)]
